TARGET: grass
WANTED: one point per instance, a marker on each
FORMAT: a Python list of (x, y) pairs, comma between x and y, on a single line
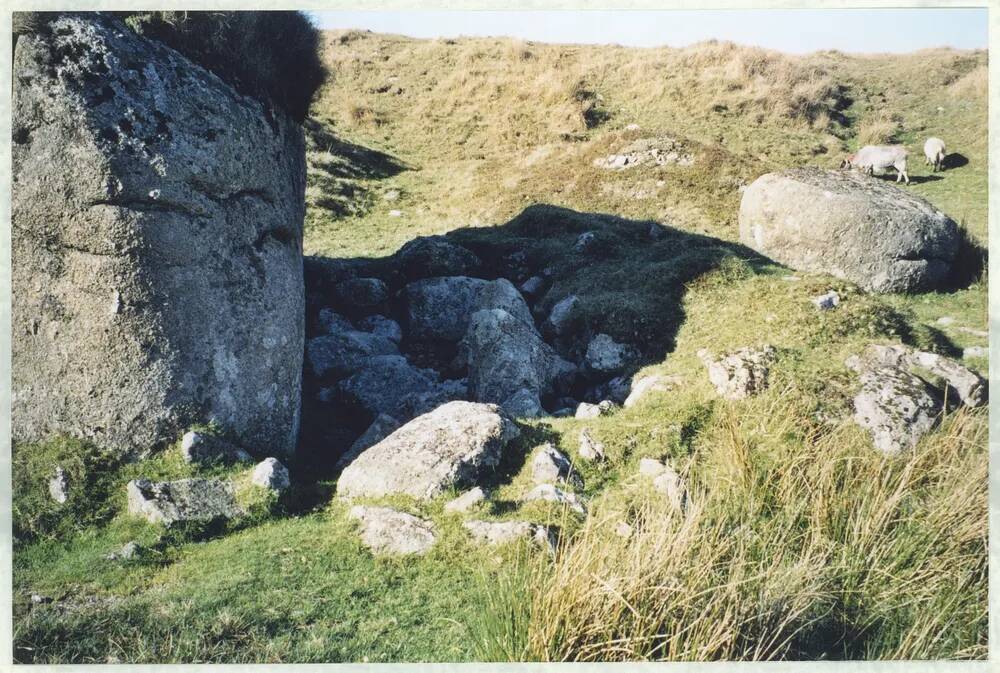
[(800, 541)]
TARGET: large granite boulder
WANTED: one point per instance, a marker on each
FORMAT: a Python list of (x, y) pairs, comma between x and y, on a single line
[(157, 246), (507, 356), (389, 384), (451, 446), (439, 309), (863, 229)]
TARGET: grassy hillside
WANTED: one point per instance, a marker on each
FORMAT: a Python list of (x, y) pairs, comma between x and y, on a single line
[(802, 541)]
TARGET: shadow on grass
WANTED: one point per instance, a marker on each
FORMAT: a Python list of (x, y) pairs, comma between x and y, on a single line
[(630, 278), (955, 160)]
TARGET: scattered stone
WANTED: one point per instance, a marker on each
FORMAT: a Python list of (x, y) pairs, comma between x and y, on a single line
[(602, 408), (383, 426), (331, 322), (966, 384), (827, 301), (896, 407), (390, 195), (364, 293), (383, 327), (183, 500), (466, 501), (606, 356), (448, 447), (739, 374), (551, 493), (976, 352), (507, 355), (560, 318), (945, 320), (590, 449), (881, 237), (533, 286), (649, 384), (665, 480), (389, 531), (623, 529), (129, 551), (791, 279), (442, 308), (395, 213), (975, 332), (504, 532), (344, 353), (205, 449), (59, 485), (39, 599), (271, 474), (655, 151), (551, 466), (435, 256)]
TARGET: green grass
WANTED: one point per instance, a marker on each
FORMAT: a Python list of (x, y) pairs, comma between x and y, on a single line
[(802, 542)]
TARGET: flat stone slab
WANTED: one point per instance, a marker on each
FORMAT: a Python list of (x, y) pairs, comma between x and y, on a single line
[(168, 502), (389, 531)]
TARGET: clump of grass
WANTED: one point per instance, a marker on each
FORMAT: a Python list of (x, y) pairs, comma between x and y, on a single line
[(881, 129), (797, 544)]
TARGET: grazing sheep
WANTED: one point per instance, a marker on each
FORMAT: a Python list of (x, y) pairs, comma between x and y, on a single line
[(934, 153), (871, 158)]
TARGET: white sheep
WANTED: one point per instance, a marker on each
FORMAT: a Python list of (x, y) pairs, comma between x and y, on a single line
[(934, 153), (871, 158)]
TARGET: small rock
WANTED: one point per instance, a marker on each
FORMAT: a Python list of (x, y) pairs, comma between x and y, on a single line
[(395, 213), (650, 467), (129, 551), (590, 449), (504, 532), (434, 257), (204, 449), (532, 286), (827, 301), (271, 474), (39, 599), (632, 127), (976, 352), (649, 384), (390, 195), (945, 320), (607, 356), (466, 501), (896, 407), (584, 241), (551, 493), (739, 374), (602, 408), (550, 466), (382, 326), (622, 529), (791, 279), (183, 500), (59, 485), (975, 332), (665, 480), (562, 313), (331, 322), (389, 531)]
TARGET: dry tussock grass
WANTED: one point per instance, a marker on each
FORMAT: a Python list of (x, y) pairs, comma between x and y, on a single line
[(786, 543)]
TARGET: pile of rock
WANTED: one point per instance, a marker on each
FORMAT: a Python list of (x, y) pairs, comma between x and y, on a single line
[(650, 151)]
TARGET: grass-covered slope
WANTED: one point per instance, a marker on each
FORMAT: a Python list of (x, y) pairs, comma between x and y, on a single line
[(801, 540)]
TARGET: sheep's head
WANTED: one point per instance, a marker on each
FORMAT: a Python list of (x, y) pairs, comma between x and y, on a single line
[(848, 161)]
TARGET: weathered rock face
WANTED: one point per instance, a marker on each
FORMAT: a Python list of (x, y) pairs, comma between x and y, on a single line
[(168, 502), (389, 531), (441, 308), (157, 246), (432, 256), (865, 230), (739, 374), (389, 384), (450, 446), (507, 356)]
